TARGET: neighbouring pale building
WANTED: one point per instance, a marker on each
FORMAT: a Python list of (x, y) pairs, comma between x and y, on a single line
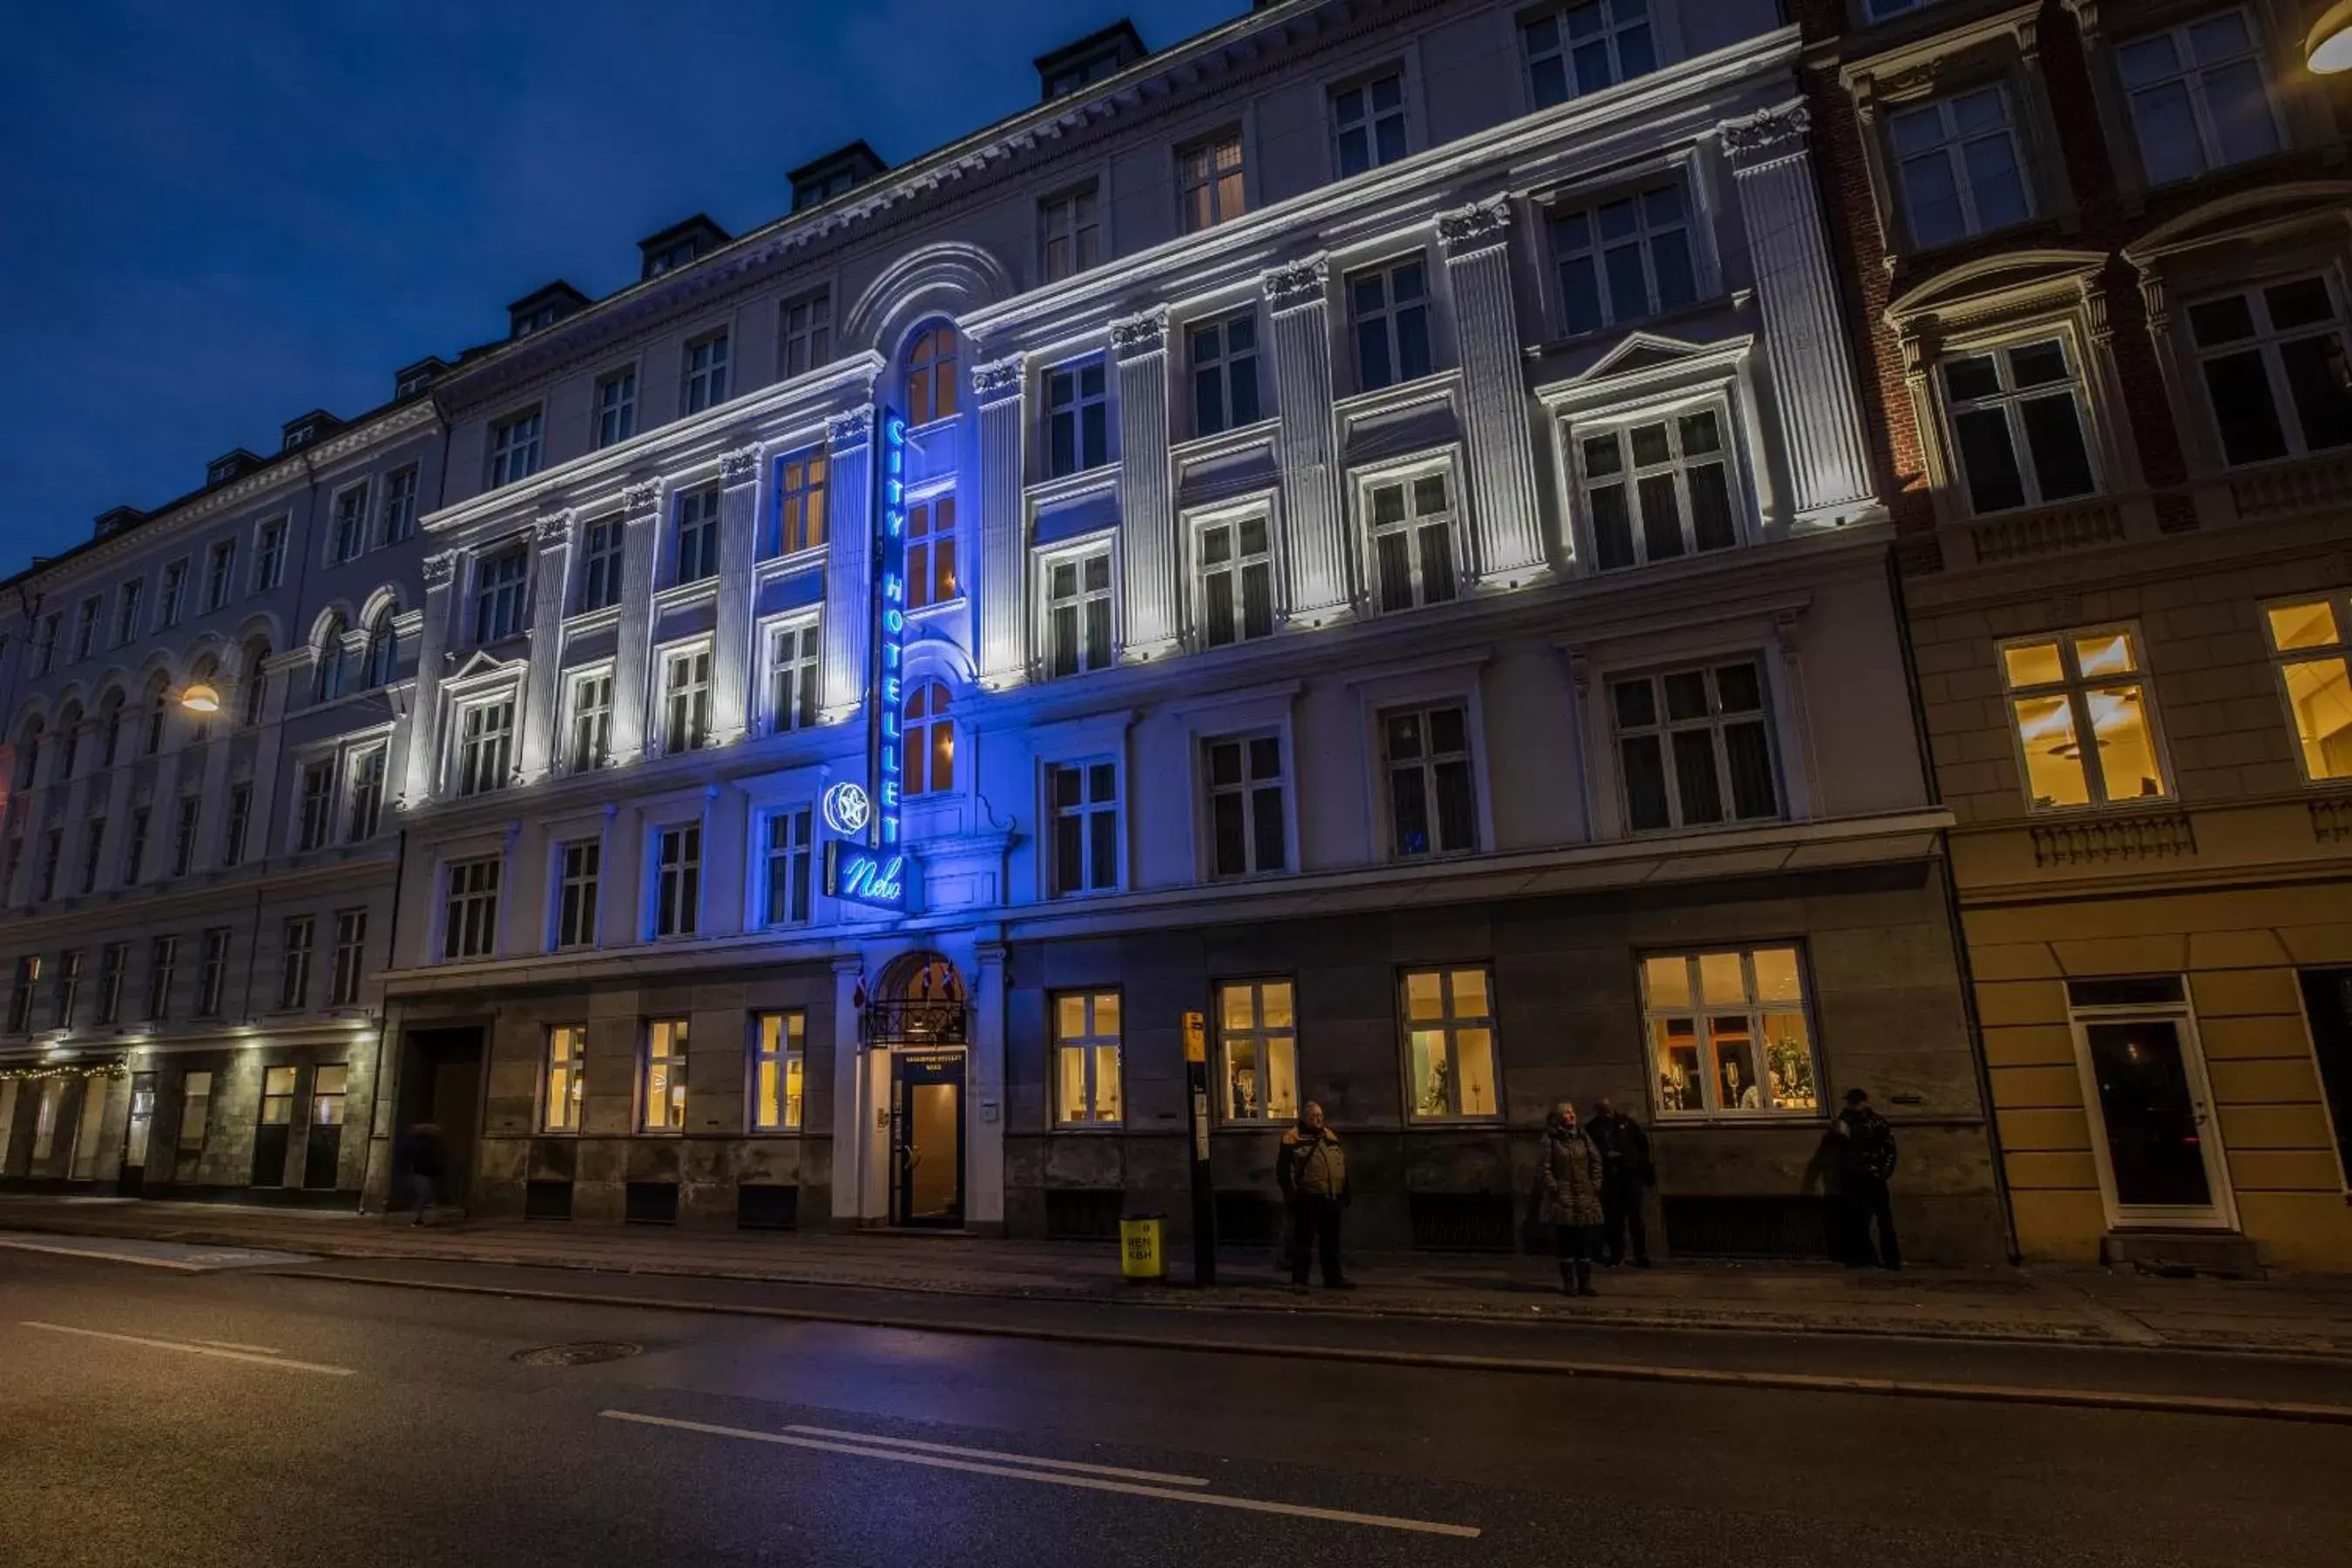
[(1360, 525), (2098, 255)]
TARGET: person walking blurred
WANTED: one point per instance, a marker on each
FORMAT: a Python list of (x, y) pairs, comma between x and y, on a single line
[(423, 1159), (1626, 1173), (1567, 1197)]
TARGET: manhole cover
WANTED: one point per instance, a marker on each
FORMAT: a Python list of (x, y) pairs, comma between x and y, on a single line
[(578, 1355)]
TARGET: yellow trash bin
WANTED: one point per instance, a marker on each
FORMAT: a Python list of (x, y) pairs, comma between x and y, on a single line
[(1142, 1250)]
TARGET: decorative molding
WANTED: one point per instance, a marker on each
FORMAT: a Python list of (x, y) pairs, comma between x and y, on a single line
[(2331, 819), (2314, 484), (1765, 137), (739, 467), (850, 432), (553, 529), (2161, 836), (1481, 226), (998, 379), (1132, 337), (1297, 283), (2082, 525), (640, 499), (438, 568)]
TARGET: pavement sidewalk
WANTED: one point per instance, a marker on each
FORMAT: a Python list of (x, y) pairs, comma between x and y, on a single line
[(2304, 1314)]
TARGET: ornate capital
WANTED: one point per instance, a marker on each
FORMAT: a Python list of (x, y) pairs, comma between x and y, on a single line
[(1297, 283), (554, 529), (999, 379), (1480, 227), (1132, 337), (637, 501), (739, 467), (439, 567), (1766, 137), (850, 432)]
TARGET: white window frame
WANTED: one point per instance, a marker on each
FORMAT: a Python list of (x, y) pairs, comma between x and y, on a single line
[(1076, 554), (804, 475), (788, 839), (1247, 787), (1202, 199), (688, 671), (1949, 144), (579, 683), (128, 601), (1406, 480), (1612, 40), (2192, 76), (481, 755), (1731, 455), (695, 515), (1714, 723), (1426, 764), (798, 673), (665, 1046), (704, 384), (1223, 369), (615, 414), (675, 882), (298, 935), (1084, 811), (212, 972), (1596, 248), (1390, 314), (1753, 1008), (2336, 649), (563, 1079), (1369, 122), (1072, 218), (1091, 1042), (1452, 1024), (779, 1047), (2009, 402), (804, 344), (269, 539), (933, 531), (516, 444), (1238, 564), (347, 538), (350, 958), (220, 573), (576, 870), (471, 887), (500, 603), (1266, 1040), (604, 562), (171, 598), (360, 794), (2075, 687), (1073, 375), (2268, 342), (400, 487)]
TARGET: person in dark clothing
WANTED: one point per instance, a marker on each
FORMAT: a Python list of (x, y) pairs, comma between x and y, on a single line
[(1865, 1164), (423, 1158), (1625, 1172), (1312, 1172), (1568, 1197)]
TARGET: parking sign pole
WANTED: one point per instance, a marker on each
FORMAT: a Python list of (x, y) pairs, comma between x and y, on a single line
[(1205, 1194)]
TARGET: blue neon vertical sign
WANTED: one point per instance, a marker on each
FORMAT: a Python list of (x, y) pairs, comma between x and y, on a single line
[(873, 872)]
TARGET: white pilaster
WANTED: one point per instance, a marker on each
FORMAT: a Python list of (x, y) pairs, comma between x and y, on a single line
[(1507, 530), (849, 542), (1804, 339), (1004, 593), (1146, 509), (440, 570), (855, 1140), (738, 542), (641, 507), (1313, 523), (549, 574)]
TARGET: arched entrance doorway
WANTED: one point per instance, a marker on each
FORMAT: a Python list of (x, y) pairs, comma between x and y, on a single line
[(920, 1015)]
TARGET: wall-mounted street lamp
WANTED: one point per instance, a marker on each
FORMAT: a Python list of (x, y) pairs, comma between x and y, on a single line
[(2328, 46), (199, 697)]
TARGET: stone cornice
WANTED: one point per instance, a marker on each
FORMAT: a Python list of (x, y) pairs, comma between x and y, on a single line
[(998, 379), (1297, 283), (739, 467), (1481, 226), (1132, 337), (850, 432)]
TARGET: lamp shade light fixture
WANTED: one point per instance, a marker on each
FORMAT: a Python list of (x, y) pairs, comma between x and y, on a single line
[(2328, 46), (199, 697)]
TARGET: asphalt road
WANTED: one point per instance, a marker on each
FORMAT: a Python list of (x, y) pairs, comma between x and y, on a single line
[(256, 1418)]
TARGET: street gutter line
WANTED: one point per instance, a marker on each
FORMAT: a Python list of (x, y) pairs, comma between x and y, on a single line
[(196, 1349), (1115, 1471), (1085, 1483), (1625, 1372), (174, 1264)]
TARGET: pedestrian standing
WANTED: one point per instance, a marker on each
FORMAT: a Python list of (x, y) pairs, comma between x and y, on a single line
[(424, 1158), (1865, 1164), (1313, 1175), (1625, 1173), (1567, 1197)]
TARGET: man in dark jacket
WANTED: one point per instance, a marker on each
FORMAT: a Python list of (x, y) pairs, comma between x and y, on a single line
[(1625, 1170), (1865, 1164), (1312, 1172), (422, 1157)]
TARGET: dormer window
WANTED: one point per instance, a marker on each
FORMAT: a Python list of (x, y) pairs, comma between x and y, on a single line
[(1095, 58), (680, 244), (833, 175), (538, 312)]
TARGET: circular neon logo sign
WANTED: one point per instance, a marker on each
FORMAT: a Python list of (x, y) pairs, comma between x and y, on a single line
[(847, 809)]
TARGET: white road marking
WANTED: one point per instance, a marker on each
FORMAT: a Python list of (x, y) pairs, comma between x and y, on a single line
[(171, 1263), (1085, 1483), (197, 1347), (233, 1345), (174, 1256), (1029, 1459)]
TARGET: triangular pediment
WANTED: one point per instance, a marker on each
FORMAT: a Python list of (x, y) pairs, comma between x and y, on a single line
[(1646, 351), (480, 663)]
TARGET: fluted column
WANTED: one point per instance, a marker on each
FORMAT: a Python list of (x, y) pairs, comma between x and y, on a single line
[(1004, 635), (1804, 341), (1313, 523), (1147, 505), (633, 642), (738, 542), (550, 572), (425, 704), (849, 545), (1507, 543)]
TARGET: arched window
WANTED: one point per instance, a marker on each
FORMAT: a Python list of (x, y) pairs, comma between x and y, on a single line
[(928, 740), (383, 650), (110, 726), (932, 375), (159, 709), (69, 738), (257, 680), (331, 660), (28, 753)]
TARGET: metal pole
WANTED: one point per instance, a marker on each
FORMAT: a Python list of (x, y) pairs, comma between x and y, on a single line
[(1204, 1193)]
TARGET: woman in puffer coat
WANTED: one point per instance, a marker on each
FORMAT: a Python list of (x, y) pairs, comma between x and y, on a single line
[(1567, 1197)]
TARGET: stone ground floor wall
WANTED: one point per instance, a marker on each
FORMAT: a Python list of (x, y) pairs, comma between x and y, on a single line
[(2242, 952), (1883, 1003)]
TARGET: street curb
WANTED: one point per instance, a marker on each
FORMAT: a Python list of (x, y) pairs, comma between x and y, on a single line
[(1789, 1382)]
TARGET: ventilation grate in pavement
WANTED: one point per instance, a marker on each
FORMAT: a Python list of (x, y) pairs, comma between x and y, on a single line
[(586, 1353)]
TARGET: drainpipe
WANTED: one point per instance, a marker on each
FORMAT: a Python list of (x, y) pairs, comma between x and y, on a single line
[(383, 1014), (1952, 914)]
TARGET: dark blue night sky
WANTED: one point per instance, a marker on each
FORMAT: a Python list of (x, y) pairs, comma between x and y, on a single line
[(214, 217)]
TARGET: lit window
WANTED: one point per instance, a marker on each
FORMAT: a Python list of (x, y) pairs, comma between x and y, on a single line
[(1696, 747), (790, 848), (779, 1070), (1411, 524), (1368, 125), (2197, 97), (277, 1096), (578, 869), (616, 408), (400, 506), (2315, 669), (1623, 260), (1078, 614), (807, 327), (514, 448), (195, 1117), (565, 1081), (932, 376), (2276, 369), (696, 554), (2063, 688), (602, 549), (1432, 795), (469, 911), (794, 656), (1087, 1059), (1390, 307), (800, 501), (1658, 490), (661, 1091), (931, 553), (294, 963), (1257, 1050), (1068, 234), (1077, 418), (498, 595), (485, 746), (351, 949), (677, 880), (2017, 426), (1580, 48), (1236, 576), (1083, 799), (706, 374), (351, 524), (1209, 182), (927, 741), (1960, 170), (1449, 1022), (588, 737), (1224, 374), (329, 1085), (685, 700), (1727, 1033)]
